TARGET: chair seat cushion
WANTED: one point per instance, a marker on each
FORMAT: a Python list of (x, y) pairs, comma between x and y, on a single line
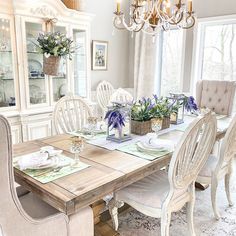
[(150, 191), (80, 224), (35, 207), (209, 166)]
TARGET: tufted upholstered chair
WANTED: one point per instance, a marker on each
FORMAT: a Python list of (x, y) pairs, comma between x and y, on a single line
[(216, 95), (28, 215), (162, 193)]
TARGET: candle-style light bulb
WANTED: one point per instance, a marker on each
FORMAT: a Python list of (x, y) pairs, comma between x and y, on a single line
[(190, 5), (168, 5), (118, 6)]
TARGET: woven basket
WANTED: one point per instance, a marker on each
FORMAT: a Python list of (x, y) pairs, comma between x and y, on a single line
[(51, 65), (165, 123), (141, 127)]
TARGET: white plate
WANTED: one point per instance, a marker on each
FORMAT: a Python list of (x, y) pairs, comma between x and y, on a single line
[(35, 65)]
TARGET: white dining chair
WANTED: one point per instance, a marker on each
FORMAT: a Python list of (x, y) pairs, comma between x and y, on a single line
[(220, 167), (28, 215), (162, 193), (218, 96), (121, 96), (104, 91), (70, 114)]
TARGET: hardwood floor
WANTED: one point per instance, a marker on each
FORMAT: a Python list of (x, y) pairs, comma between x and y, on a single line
[(102, 228)]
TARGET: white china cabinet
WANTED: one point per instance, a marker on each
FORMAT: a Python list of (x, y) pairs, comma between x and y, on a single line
[(27, 95)]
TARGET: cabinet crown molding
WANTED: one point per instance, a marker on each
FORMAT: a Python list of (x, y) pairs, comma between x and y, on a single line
[(44, 11)]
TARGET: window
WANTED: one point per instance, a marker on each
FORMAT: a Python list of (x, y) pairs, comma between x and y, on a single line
[(219, 61), (216, 47), (170, 65)]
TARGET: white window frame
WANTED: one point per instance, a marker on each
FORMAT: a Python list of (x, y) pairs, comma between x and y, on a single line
[(198, 44)]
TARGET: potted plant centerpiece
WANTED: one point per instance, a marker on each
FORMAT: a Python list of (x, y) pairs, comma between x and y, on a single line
[(147, 109), (141, 115), (54, 46)]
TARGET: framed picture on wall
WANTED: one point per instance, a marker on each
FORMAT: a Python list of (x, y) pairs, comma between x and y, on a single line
[(99, 55)]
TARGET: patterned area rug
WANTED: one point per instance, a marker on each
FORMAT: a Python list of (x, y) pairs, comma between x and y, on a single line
[(133, 223)]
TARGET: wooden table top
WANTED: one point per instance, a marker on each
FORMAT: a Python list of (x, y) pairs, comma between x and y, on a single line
[(109, 171)]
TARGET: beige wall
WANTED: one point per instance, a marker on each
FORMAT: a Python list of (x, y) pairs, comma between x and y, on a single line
[(207, 8), (118, 58)]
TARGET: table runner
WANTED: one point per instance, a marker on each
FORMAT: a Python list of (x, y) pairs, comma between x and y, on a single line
[(47, 175)]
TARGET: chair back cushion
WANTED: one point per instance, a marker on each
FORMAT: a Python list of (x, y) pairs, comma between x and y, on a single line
[(104, 92), (216, 95), (192, 152), (70, 114), (14, 221), (122, 96)]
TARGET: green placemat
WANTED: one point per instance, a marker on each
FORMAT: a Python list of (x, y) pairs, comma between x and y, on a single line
[(132, 149), (88, 136), (47, 175)]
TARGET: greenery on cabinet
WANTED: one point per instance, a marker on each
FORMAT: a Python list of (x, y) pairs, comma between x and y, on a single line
[(55, 44)]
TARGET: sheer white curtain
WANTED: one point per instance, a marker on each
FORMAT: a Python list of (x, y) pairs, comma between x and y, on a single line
[(145, 56)]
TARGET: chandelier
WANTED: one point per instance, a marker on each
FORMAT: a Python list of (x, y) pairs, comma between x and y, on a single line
[(151, 16)]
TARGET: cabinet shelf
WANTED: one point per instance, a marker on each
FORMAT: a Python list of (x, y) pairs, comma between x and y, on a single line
[(6, 79), (36, 78), (7, 51), (34, 53)]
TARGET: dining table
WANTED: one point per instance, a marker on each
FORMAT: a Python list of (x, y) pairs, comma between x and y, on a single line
[(108, 170)]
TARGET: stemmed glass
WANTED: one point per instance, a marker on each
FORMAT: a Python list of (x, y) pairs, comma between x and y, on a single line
[(92, 125), (77, 146), (156, 126)]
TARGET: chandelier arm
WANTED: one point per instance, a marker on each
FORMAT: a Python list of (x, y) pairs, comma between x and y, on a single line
[(191, 25), (141, 27), (173, 22), (128, 27)]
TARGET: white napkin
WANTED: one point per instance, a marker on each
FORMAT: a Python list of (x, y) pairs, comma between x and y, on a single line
[(156, 145), (33, 160)]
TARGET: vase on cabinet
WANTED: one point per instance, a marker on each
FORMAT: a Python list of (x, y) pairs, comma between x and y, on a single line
[(78, 5), (51, 65)]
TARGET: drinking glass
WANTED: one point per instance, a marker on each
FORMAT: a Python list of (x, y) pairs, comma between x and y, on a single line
[(92, 125), (156, 125), (77, 146)]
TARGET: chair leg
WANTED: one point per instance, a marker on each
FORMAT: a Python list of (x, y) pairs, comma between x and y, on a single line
[(190, 209), (165, 223), (113, 209), (214, 186), (227, 188)]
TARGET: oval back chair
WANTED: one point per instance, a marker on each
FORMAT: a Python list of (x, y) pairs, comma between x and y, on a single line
[(70, 114), (161, 193), (104, 91), (221, 166), (121, 96)]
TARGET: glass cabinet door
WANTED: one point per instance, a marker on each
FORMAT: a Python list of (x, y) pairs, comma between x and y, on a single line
[(60, 82), (7, 85), (80, 63), (37, 81)]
